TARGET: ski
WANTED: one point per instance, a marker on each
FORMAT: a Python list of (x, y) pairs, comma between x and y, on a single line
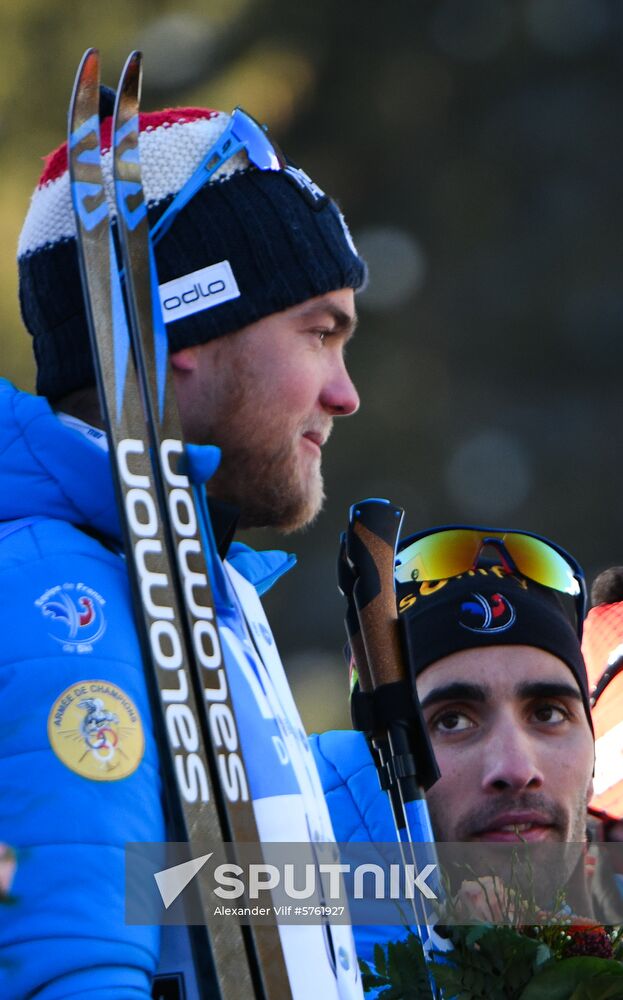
[(196, 563), (221, 957)]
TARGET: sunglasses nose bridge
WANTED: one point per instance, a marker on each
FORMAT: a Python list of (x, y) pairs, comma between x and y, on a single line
[(499, 544)]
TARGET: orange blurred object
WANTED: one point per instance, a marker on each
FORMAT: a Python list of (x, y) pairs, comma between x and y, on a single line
[(602, 647)]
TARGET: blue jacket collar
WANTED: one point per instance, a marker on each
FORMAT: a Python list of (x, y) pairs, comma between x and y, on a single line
[(262, 569)]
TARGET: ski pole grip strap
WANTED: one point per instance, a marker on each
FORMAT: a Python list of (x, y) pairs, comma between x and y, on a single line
[(362, 711), (373, 711), (405, 765), (412, 745), (370, 546), (398, 704), (393, 702), (376, 712)]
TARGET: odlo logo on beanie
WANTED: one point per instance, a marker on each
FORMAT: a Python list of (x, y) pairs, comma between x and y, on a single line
[(202, 289)]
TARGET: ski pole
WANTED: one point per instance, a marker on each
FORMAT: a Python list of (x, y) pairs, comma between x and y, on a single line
[(371, 539), (363, 716)]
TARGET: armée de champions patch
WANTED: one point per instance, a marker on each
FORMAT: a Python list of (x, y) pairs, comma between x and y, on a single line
[(75, 615), (95, 729)]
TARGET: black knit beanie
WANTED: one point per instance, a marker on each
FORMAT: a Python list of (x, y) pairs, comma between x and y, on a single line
[(250, 243)]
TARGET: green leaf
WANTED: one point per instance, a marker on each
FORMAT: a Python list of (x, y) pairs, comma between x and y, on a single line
[(604, 987), (380, 960), (448, 978), (402, 969), (559, 979), (370, 978)]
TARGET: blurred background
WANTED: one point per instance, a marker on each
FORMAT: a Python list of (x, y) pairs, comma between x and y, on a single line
[(474, 146)]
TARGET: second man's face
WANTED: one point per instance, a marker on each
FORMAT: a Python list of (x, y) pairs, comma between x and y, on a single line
[(513, 744)]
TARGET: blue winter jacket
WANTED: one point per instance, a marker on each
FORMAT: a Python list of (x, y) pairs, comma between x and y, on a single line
[(360, 812), (66, 623)]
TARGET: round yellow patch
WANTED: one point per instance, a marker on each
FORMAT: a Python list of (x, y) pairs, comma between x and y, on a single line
[(94, 728)]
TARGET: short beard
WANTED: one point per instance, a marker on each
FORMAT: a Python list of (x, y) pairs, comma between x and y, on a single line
[(262, 479), (571, 830), (267, 490), (264, 469)]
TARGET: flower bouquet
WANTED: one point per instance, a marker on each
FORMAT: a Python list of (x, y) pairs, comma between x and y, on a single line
[(580, 960)]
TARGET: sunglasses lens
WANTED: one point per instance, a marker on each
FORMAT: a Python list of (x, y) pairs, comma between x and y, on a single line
[(438, 556), (541, 563), (455, 550), (260, 150)]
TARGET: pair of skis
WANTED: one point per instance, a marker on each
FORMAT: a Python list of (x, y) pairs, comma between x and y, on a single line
[(167, 538)]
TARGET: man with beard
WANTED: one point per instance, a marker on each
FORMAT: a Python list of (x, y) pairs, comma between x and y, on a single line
[(504, 693), (257, 352)]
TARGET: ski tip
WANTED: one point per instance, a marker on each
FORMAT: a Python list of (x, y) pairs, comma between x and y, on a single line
[(128, 98), (86, 84), (129, 90), (89, 66), (130, 80)]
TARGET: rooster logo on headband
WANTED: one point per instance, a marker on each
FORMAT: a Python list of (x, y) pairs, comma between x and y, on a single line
[(487, 614)]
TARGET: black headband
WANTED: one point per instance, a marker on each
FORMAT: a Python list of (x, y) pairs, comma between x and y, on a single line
[(487, 607)]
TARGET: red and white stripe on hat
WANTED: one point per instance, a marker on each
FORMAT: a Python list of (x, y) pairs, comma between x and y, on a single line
[(172, 144)]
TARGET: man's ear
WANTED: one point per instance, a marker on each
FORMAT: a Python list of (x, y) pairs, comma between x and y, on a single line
[(184, 360)]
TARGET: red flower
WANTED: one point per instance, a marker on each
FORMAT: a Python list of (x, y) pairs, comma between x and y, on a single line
[(588, 938)]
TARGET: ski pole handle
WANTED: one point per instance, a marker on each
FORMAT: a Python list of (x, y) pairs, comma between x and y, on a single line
[(374, 529), (371, 541), (361, 699)]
